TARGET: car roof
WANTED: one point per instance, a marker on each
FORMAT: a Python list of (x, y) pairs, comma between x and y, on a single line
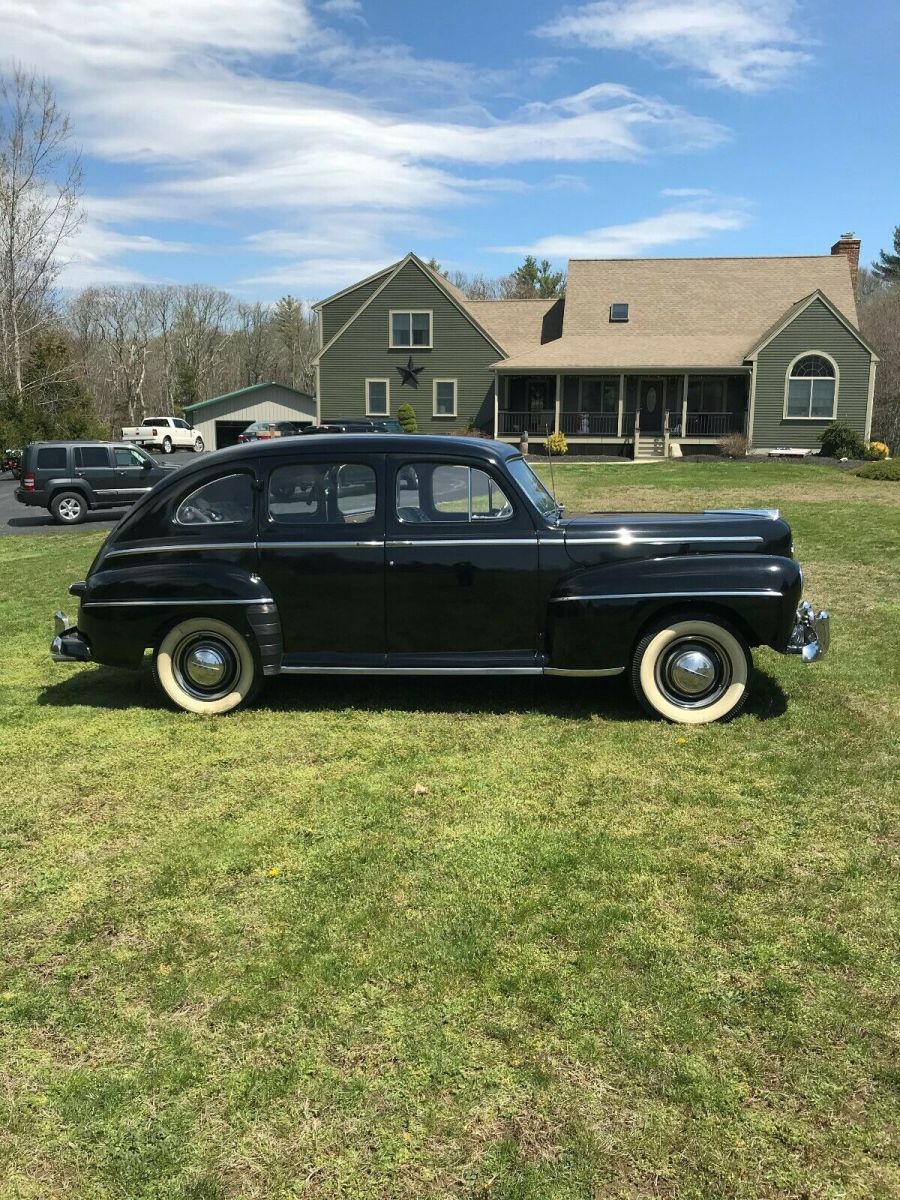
[(83, 442), (376, 443)]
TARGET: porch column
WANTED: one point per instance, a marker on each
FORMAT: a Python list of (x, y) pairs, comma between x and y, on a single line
[(684, 408), (496, 404), (621, 413), (558, 404)]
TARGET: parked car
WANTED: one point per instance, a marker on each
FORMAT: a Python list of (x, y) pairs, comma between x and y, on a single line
[(11, 463), (263, 431), (165, 434), (71, 478), (356, 425), (307, 556)]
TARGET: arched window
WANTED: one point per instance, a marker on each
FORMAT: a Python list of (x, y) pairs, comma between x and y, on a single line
[(811, 388)]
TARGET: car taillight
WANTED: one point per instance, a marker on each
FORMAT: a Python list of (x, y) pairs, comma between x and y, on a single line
[(28, 483), (241, 438)]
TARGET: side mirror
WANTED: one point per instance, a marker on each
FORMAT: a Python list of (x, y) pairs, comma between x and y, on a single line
[(147, 465)]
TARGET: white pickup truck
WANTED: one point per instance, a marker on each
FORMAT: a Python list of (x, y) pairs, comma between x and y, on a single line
[(164, 433)]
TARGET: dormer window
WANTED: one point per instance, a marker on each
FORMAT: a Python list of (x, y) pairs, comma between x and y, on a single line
[(618, 312)]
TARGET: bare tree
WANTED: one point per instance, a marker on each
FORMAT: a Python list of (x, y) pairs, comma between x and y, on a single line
[(880, 323), (40, 189), (200, 330), (253, 340), (123, 324)]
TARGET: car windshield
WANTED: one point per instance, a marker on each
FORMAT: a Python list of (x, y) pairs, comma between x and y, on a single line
[(532, 486)]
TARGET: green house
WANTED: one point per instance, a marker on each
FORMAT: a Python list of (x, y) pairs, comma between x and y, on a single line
[(643, 357)]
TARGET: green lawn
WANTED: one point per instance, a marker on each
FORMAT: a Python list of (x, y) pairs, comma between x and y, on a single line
[(459, 938)]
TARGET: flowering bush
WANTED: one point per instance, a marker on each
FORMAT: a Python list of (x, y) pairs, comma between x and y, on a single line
[(879, 449), (556, 444)]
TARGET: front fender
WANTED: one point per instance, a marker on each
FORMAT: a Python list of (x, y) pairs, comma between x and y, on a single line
[(596, 617)]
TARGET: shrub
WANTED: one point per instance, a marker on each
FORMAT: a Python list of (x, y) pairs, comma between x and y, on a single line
[(734, 445), (406, 415), (879, 450), (556, 444), (886, 470), (841, 441)]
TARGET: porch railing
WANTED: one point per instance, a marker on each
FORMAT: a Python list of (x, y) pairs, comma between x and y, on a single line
[(589, 424), (713, 424), (533, 423)]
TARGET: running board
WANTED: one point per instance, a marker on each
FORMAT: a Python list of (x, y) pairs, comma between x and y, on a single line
[(314, 670)]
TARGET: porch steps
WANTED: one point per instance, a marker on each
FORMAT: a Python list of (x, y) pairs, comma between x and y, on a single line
[(649, 448)]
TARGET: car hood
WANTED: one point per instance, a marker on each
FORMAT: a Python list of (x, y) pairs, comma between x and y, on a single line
[(594, 537)]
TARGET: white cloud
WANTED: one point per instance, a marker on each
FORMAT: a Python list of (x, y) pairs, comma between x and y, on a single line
[(747, 45), (94, 255), (182, 92), (638, 238), (343, 8)]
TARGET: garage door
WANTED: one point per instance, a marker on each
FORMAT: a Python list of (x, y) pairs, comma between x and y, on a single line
[(227, 432)]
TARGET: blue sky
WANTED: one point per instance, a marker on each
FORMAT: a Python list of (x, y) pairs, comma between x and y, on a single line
[(287, 145)]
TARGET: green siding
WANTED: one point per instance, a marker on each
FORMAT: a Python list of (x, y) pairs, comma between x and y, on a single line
[(816, 328), (336, 314), (460, 352)]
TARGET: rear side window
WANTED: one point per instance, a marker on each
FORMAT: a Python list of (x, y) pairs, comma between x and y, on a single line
[(91, 456), (51, 458), (322, 494), (224, 501)]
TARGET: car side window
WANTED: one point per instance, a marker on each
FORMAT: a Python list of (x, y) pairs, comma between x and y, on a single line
[(227, 500), (52, 458), (179, 424), (91, 456), (128, 458), (433, 492), (322, 493)]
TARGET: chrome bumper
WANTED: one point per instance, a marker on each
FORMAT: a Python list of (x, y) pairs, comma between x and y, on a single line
[(68, 644), (811, 636)]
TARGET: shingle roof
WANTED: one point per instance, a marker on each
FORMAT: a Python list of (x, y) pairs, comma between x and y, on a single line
[(253, 387), (518, 325), (683, 312)]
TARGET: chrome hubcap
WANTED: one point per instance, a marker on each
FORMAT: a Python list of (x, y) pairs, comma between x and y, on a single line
[(205, 667), (693, 673)]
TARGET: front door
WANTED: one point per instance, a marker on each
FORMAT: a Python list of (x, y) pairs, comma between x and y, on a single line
[(132, 475), (653, 402), (321, 551), (462, 568)]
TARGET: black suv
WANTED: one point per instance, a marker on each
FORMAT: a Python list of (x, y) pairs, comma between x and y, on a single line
[(356, 425), (69, 478)]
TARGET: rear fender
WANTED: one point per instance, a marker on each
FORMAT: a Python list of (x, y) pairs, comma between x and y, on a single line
[(596, 618)]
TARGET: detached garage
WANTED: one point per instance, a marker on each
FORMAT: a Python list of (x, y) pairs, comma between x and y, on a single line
[(220, 420)]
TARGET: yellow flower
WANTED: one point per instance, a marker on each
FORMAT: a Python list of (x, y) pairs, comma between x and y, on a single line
[(681, 741), (273, 872), (164, 969)]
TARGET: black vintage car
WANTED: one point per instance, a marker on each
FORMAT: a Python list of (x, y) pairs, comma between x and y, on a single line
[(387, 554)]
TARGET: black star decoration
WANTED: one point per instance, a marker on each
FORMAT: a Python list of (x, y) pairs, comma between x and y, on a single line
[(410, 374)]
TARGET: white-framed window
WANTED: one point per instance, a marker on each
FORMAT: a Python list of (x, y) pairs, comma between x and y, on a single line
[(811, 388), (378, 397), (409, 329), (443, 398)]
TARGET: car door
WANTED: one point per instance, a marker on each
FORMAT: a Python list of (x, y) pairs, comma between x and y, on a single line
[(321, 551), (92, 465), (462, 567), (133, 477)]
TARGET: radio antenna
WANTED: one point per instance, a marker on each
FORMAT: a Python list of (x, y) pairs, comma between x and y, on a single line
[(552, 476)]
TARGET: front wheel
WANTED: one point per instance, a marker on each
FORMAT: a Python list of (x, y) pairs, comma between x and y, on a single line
[(198, 445), (205, 666), (167, 445), (692, 670)]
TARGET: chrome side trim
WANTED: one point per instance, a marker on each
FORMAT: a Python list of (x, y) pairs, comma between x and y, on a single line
[(402, 543), (301, 545), (662, 595), (412, 670), (566, 671), (625, 540), (175, 549), (196, 602)]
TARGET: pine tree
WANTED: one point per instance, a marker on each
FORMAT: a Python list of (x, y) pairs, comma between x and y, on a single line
[(406, 415), (887, 269), (535, 279)]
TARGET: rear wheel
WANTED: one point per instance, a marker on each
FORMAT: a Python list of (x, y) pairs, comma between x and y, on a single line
[(692, 670), (69, 508), (206, 666), (167, 445), (198, 445)]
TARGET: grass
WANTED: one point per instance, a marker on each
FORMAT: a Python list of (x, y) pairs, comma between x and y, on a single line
[(378, 939)]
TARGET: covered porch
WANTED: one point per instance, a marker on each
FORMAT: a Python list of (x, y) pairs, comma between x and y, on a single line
[(629, 410)]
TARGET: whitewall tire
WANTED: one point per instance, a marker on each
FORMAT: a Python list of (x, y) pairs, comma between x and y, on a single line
[(692, 670), (205, 666)]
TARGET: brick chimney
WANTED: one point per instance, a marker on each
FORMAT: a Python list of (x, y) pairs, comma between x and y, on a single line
[(848, 244)]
